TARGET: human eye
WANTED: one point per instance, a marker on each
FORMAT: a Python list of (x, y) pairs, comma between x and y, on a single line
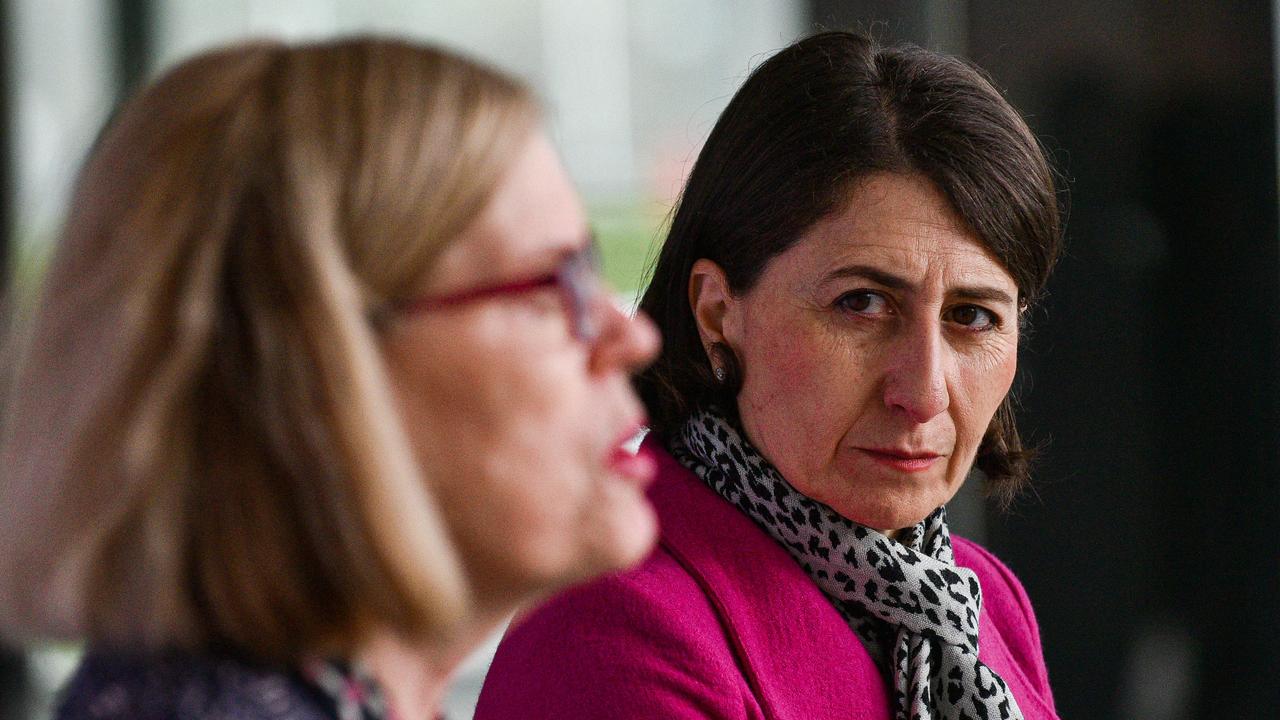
[(862, 302), (974, 318)]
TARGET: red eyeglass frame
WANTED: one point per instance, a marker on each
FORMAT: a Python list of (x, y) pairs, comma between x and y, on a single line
[(577, 277)]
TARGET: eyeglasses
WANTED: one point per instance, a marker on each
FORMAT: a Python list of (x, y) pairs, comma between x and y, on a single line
[(577, 277)]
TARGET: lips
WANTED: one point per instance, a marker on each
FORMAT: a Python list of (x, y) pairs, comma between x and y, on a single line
[(909, 461), (624, 462)]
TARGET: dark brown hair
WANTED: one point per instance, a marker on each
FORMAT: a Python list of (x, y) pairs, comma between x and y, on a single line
[(807, 124)]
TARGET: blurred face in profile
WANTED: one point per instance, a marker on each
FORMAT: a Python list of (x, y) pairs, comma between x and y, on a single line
[(511, 376), (874, 352)]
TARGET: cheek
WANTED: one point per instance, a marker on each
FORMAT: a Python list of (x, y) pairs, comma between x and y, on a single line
[(541, 425), (446, 400), (530, 425), (1001, 376), (474, 411), (776, 365), (987, 384), (503, 441), (775, 372), (792, 398)]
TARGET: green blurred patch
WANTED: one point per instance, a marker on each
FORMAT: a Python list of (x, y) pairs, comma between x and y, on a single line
[(629, 235), (31, 253)]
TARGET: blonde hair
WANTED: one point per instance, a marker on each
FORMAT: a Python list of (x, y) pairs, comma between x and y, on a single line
[(200, 447)]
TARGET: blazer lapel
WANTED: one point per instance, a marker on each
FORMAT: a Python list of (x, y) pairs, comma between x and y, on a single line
[(797, 653)]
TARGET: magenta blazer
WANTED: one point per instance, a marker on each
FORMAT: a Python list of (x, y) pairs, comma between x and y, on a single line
[(720, 622)]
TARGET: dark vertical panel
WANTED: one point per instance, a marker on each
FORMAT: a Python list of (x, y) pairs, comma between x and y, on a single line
[(1151, 551), (15, 700), (1083, 546), (134, 46), (1212, 182), (14, 685)]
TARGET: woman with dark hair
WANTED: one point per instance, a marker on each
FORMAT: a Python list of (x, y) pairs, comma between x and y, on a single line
[(322, 385), (841, 296)]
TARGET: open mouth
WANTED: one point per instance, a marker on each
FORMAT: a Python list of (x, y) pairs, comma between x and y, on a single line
[(624, 462)]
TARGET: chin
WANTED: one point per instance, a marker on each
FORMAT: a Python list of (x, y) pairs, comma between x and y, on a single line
[(889, 517), (624, 539), (877, 497), (617, 532)]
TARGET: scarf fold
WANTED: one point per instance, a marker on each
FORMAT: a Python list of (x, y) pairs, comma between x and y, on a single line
[(349, 690), (914, 610)]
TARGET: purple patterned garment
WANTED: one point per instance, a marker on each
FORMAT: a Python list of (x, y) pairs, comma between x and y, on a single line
[(181, 686)]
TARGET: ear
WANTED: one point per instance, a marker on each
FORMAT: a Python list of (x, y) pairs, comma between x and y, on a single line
[(714, 307)]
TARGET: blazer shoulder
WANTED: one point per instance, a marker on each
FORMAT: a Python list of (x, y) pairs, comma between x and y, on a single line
[(1006, 603), (645, 643), (998, 581)]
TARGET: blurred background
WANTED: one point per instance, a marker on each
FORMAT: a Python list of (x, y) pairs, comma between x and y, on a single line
[(1152, 375)]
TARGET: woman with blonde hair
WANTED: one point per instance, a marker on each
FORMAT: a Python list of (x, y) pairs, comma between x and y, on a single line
[(321, 385)]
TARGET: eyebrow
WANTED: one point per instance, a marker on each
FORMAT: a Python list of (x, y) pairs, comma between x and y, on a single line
[(897, 282), (549, 258)]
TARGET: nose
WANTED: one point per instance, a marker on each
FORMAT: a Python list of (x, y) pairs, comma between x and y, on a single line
[(626, 342), (916, 382)]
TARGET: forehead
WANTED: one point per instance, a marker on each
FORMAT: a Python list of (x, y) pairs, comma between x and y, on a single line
[(533, 217), (904, 224)]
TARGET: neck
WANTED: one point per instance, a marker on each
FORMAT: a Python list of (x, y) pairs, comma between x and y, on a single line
[(415, 674)]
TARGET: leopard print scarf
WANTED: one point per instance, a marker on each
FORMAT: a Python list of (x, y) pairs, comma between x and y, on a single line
[(913, 609)]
